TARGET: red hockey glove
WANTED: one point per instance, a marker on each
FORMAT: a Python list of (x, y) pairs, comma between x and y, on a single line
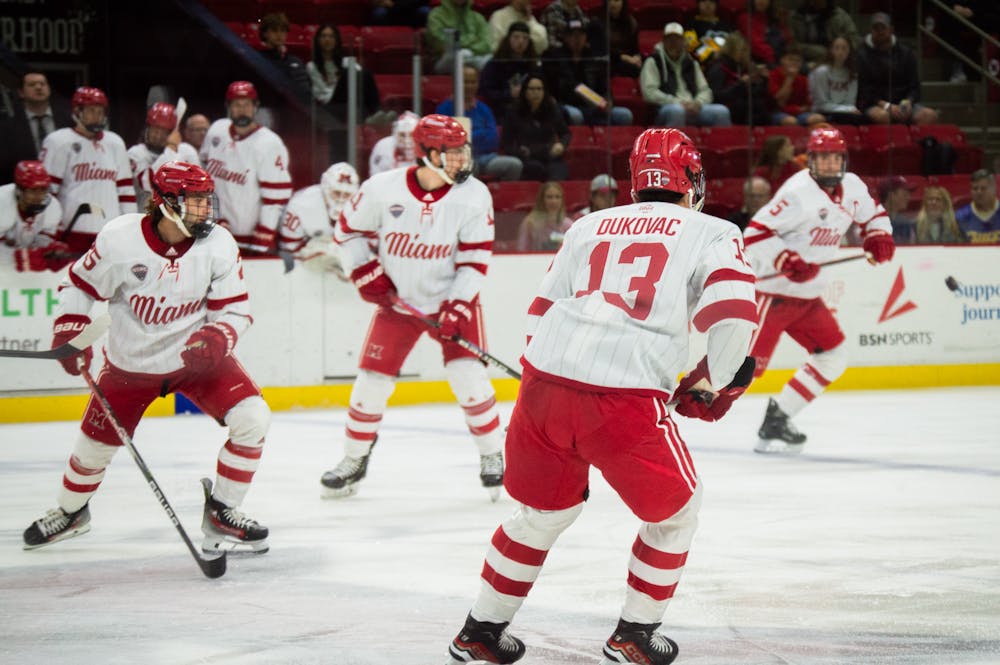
[(52, 257), (879, 247), (263, 239), (207, 346), (65, 328), (795, 267), (454, 317), (702, 404), (373, 284)]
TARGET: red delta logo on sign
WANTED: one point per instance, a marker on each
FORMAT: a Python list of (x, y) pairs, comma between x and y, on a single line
[(892, 307)]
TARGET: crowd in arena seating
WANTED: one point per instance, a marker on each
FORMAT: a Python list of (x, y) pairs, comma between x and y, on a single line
[(556, 90)]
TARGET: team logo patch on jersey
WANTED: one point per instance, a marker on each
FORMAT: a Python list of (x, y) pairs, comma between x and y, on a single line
[(823, 212), (77, 147), (216, 141), (140, 271), (396, 209)]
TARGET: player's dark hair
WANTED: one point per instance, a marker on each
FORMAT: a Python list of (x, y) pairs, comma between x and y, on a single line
[(659, 195)]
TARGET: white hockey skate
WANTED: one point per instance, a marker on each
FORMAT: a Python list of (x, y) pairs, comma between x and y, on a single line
[(227, 529), (491, 474)]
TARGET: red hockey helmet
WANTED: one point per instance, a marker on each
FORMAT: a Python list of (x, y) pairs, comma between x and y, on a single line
[(240, 89), (826, 139), (162, 115), (31, 174), (89, 97), (443, 133), (665, 158), (172, 183)]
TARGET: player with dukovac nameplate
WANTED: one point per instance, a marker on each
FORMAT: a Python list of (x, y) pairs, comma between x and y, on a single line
[(796, 231), (423, 235), (90, 170), (178, 304), (249, 164), (608, 335)]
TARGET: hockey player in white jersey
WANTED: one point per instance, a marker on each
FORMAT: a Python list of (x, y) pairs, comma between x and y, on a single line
[(311, 217), (608, 336), (425, 235), (249, 163), (397, 149), (798, 229), (29, 219), (155, 150), (89, 166), (178, 304)]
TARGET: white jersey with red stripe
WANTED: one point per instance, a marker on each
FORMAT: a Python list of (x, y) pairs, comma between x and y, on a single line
[(434, 246), (251, 177), (19, 232), (158, 294), (614, 311), (306, 217), (145, 162), (385, 156), (803, 217), (92, 171)]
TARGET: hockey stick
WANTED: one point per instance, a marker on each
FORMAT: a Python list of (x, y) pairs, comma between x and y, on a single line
[(87, 337), (844, 259), (481, 353), (82, 209), (213, 567)]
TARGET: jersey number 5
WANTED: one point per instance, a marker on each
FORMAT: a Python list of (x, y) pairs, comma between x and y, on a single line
[(644, 286)]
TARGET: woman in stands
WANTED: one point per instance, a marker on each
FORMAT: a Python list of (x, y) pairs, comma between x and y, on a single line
[(501, 78), (622, 29), (936, 220), (776, 163), (543, 228), (535, 130), (739, 84), (833, 86)]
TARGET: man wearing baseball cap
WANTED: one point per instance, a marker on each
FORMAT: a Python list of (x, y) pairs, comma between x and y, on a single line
[(603, 192), (671, 79), (895, 192)]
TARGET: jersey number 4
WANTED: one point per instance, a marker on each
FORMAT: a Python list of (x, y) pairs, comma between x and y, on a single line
[(644, 286)]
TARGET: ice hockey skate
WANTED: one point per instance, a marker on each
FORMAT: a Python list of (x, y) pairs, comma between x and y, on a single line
[(482, 641), (639, 643), (56, 525), (777, 434), (227, 529), (491, 473), (342, 481)]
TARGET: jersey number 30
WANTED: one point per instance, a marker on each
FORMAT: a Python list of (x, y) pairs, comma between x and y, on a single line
[(644, 286)]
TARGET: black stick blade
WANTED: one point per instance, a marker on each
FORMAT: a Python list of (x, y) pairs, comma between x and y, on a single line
[(215, 567)]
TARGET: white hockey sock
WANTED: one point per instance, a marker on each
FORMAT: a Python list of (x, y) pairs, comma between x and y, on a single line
[(474, 392), (84, 472), (369, 396), (239, 458), (483, 421), (811, 380)]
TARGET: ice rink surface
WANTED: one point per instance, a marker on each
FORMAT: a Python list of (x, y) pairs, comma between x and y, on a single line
[(879, 545)]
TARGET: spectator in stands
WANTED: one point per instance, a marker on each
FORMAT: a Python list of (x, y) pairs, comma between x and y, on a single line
[(816, 23), (35, 116), (621, 31), (789, 89), (274, 35), (833, 86), (739, 84), (936, 223), (544, 227), (195, 129), (400, 12), (980, 219), (485, 136), (756, 192), (578, 79), (515, 57), (673, 81), (603, 194), (556, 15), (984, 14), (894, 193), (444, 21), (534, 130), (776, 162), (707, 33), (888, 85), (517, 11), (767, 30)]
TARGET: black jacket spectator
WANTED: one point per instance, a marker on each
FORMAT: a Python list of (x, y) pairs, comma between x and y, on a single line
[(738, 83), (514, 58), (534, 130), (17, 140), (617, 36), (889, 75)]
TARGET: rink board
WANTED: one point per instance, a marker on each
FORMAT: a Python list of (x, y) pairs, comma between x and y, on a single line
[(904, 328)]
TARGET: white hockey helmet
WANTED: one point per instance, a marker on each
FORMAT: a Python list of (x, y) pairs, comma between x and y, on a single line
[(402, 130), (339, 183)]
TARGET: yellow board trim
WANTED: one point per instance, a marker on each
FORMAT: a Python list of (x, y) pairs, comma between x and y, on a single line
[(283, 398)]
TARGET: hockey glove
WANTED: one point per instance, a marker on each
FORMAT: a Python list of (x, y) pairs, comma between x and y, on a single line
[(207, 346), (263, 239), (705, 405), (65, 328), (879, 247), (52, 257), (795, 267), (454, 317), (373, 284)]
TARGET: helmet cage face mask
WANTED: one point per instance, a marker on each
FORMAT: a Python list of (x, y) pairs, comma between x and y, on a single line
[(31, 175), (177, 182), (827, 180), (826, 140), (442, 134), (338, 184), (85, 97)]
